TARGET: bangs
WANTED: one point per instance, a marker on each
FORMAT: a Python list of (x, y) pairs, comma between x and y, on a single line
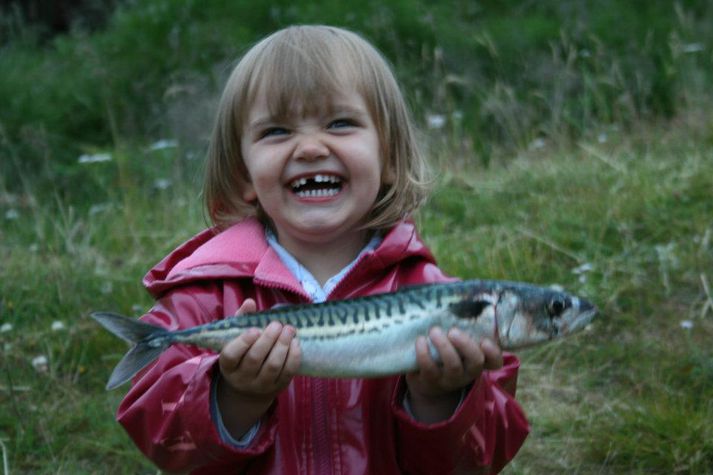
[(303, 73)]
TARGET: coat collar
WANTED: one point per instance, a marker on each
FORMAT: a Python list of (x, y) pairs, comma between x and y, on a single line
[(241, 251)]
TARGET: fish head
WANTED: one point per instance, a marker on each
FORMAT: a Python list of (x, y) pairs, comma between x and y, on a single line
[(528, 315)]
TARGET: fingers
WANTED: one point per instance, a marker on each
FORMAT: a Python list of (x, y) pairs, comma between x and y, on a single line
[(232, 353), (470, 354), (462, 360), (248, 306), (493, 354), (261, 362)]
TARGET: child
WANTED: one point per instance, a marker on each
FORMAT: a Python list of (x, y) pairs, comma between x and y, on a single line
[(312, 172)]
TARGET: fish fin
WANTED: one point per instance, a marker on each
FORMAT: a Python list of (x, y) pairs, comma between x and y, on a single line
[(139, 334), (136, 359)]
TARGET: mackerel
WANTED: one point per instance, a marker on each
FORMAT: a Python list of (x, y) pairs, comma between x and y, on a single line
[(375, 335)]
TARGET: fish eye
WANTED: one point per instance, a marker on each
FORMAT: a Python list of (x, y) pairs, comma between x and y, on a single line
[(556, 306)]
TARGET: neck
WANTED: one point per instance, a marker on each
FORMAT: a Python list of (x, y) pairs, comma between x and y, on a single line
[(326, 259)]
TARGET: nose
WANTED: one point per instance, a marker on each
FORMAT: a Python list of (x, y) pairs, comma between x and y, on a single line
[(310, 147)]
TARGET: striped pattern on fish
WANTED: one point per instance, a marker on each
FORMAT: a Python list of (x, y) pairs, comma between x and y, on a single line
[(375, 335)]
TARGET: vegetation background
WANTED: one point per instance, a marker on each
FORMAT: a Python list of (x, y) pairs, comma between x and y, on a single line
[(573, 144)]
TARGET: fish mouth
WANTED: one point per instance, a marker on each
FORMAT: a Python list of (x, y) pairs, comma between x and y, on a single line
[(585, 314), (318, 185)]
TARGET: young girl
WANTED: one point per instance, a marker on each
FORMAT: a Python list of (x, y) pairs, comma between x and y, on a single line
[(312, 172)]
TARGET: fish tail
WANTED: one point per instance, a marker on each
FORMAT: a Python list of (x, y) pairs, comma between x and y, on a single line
[(147, 347)]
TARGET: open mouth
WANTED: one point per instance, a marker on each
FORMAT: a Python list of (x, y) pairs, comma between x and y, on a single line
[(317, 186)]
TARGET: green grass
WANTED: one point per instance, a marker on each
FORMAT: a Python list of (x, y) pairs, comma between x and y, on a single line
[(573, 153), (631, 395)]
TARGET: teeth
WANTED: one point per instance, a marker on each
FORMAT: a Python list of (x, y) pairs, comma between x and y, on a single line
[(317, 179), (317, 193)]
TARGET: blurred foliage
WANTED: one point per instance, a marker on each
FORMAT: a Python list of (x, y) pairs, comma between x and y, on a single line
[(496, 74)]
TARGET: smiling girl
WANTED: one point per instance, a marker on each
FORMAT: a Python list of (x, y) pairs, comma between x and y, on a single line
[(312, 174)]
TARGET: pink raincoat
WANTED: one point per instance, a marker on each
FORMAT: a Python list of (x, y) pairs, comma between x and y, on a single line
[(315, 426)]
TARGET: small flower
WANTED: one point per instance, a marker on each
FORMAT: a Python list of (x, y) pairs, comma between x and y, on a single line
[(99, 208), (162, 183), (602, 138), (6, 327), (40, 363), (537, 144), (58, 325), (583, 269), (163, 144), (12, 214), (95, 158), (692, 48), (435, 121), (686, 324)]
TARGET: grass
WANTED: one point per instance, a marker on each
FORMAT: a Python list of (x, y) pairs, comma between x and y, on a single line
[(570, 152), (626, 223)]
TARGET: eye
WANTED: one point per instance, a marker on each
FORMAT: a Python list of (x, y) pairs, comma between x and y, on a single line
[(557, 306), (273, 131), (341, 123)]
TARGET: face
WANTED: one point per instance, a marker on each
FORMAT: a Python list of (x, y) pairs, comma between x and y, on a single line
[(316, 175)]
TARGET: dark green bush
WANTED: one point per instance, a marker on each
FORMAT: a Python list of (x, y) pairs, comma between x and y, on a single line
[(500, 74)]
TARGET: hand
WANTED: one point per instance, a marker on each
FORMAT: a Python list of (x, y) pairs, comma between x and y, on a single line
[(462, 362), (260, 363)]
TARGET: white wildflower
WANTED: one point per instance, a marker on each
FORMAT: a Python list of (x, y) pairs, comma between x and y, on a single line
[(537, 144), (162, 183), (692, 48), (95, 158), (163, 144), (58, 325), (602, 138), (583, 269), (40, 363), (12, 214), (686, 324), (99, 208), (6, 327), (435, 121)]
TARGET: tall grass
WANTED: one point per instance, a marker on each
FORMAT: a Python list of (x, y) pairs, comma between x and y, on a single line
[(498, 75), (625, 223)]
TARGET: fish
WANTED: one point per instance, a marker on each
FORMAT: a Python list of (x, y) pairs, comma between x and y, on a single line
[(375, 336)]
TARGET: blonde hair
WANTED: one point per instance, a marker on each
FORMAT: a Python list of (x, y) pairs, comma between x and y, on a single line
[(307, 65)]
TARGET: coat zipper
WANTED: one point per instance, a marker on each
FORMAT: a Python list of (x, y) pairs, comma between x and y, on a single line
[(321, 433)]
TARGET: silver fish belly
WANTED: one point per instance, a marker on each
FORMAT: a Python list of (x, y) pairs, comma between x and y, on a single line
[(375, 335)]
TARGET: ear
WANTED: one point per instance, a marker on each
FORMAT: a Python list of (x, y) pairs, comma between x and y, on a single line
[(249, 194)]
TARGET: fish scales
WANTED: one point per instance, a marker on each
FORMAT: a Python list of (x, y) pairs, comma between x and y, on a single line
[(375, 335)]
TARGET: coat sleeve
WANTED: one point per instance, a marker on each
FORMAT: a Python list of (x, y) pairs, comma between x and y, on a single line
[(167, 411), (483, 434)]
